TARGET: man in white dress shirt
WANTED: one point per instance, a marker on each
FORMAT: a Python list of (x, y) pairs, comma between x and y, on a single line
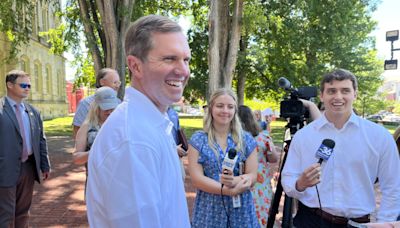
[(363, 152), (135, 177)]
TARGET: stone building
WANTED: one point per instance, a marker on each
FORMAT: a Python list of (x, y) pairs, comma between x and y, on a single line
[(48, 92)]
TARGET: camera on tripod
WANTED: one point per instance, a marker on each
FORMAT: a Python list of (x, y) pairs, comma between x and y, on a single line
[(292, 107)]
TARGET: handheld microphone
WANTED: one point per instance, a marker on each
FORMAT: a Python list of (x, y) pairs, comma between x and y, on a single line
[(325, 150), (229, 164), (229, 160), (284, 83)]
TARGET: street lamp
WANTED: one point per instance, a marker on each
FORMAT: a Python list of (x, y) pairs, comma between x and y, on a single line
[(392, 36), (391, 64)]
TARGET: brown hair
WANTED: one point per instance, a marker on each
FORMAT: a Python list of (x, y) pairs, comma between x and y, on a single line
[(338, 75), (14, 74), (138, 41), (249, 122)]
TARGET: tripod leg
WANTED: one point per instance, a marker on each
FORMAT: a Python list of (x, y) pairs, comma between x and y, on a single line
[(287, 213), (287, 220), (275, 205)]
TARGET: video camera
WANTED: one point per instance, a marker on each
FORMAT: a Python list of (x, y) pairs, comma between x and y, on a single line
[(292, 107)]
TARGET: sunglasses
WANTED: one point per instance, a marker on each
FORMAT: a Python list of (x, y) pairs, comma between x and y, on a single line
[(24, 85)]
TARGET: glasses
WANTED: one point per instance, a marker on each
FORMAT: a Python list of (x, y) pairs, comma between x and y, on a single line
[(117, 83), (24, 85)]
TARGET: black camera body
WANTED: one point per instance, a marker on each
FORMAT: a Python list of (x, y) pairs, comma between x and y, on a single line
[(292, 107)]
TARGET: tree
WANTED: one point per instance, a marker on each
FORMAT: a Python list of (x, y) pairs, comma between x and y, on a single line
[(105, 23), (302, 40), (224, 35)]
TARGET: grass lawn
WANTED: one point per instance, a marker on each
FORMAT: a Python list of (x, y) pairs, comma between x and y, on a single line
[(63, 127), (58, 127)]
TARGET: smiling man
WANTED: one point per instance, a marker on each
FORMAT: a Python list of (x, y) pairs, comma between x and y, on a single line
[(363, 152), (134, 171)]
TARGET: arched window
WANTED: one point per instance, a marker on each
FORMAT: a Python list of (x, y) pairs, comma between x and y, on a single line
[(60, 85), (37, 71), (24, 64), (49, 80), (45, 18)]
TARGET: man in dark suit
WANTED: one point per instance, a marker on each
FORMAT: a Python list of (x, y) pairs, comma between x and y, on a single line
[(23, 151)]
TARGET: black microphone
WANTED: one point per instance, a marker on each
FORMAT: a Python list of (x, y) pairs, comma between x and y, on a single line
[(284, 83), (325, 150), (230, 160)]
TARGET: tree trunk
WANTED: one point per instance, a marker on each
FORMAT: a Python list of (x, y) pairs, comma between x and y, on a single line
[(114, 20), (241, 76), (214, 44), (90, 36), (224, 36), (233, 44)]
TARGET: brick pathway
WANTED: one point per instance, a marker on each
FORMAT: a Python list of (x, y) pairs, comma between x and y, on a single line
[(58, 202)]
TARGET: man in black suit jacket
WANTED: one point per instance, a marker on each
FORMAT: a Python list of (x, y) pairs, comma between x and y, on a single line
[(23, 151)]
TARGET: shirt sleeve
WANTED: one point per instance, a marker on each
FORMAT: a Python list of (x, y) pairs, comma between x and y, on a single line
[(250, 144), (389, 181), (81, 112), (123, 171), (292, 170), (198, 140)]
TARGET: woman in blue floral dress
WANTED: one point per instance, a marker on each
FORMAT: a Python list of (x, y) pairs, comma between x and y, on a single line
[(214, 200)]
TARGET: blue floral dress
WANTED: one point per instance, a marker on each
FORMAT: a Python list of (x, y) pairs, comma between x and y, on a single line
[(208, 208)]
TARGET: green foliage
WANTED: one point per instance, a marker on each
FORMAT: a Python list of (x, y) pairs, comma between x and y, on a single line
[(302, 40), (56, 37), (85, 72)]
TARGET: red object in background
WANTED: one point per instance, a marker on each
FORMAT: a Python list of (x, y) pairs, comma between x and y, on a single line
[(73, 97)]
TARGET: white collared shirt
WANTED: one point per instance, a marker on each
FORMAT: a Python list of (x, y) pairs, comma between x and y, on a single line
[(363, 151), (134, 172)]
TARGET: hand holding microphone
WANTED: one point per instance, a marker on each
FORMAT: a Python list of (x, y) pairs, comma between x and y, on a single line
[(311, 175), (228, 165)]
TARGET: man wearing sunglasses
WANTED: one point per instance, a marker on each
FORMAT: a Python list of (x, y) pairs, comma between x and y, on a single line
[(23, 151)]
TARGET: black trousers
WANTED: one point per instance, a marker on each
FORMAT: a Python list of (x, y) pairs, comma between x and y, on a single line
[(307, 219)]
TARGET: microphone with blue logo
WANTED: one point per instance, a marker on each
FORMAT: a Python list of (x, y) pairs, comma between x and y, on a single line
[(229, 164), (325, 150), (323, 153)]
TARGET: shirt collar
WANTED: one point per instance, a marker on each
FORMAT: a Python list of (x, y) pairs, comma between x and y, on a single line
[(323, 121), (158, 118), (13, 103)]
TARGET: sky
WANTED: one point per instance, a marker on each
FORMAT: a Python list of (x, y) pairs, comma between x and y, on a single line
[(387, 15)]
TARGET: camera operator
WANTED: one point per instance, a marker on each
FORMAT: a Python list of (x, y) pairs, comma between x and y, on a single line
[(363, 151)]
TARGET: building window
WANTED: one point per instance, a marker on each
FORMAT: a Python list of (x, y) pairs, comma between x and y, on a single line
[(38, 77), (49, 80)]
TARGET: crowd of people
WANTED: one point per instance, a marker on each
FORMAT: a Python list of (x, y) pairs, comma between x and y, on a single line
[(132, 150)]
